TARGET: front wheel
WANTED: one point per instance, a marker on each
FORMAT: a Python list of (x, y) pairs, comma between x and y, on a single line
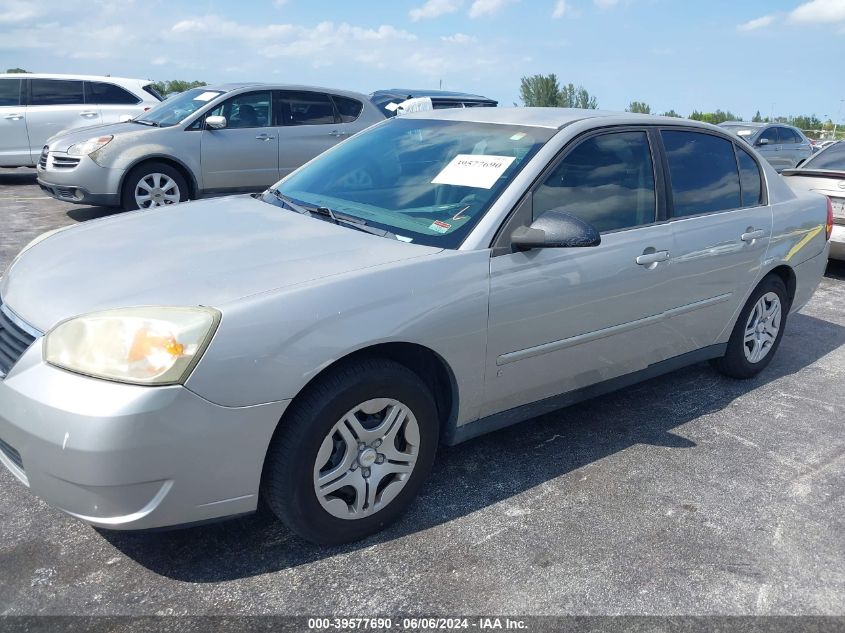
[(153, 185), (758, 331), (352, 453)]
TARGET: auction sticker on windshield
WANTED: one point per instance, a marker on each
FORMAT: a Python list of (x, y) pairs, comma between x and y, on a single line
[(473, 170), (206, 96)]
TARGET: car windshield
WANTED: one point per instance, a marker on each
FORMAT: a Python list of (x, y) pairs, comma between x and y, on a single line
[(743, 131), (832, 158), (425, 181), (176, 109)]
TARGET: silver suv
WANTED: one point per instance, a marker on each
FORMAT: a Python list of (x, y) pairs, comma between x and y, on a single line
[(784, 146), (235, 137), (34, 107)]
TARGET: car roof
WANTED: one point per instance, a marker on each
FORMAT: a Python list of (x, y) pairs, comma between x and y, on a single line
[(228, 87), (68, 76), (405, 93), (554, 118)]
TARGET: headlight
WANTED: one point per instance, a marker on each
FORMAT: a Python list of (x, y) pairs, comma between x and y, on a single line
[(144, 346), (90, 146)]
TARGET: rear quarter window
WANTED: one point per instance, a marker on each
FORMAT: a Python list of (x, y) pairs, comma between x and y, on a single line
[(703, 172), (108, 94), (348, 109)]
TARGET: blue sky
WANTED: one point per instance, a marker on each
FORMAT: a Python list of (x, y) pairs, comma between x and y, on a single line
[(741, 56)]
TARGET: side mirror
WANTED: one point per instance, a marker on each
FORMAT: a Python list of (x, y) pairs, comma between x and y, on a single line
[(555, 229), (763, 141), (216, 122)]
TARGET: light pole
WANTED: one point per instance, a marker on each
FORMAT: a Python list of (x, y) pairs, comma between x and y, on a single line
[(838, 116)]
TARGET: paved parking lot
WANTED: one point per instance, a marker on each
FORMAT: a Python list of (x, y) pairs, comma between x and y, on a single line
[(688, 494)]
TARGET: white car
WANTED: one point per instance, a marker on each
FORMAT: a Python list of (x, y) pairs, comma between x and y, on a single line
[(34, 107)]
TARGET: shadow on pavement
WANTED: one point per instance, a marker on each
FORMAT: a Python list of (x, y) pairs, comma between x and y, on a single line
[(15, 177), (83, 214), (490, 469), (835, 269)]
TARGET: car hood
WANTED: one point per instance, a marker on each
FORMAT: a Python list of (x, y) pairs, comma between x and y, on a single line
[(206, 253), (63, 140)]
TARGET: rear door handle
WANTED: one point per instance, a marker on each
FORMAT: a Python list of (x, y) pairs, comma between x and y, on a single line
[(655, 257), (336, 133), (13, 117), (752, 235), (264, 137), (88, 113)]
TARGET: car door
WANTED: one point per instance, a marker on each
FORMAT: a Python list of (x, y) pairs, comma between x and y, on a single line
[(309, 126), (721, 226), (565, 318), (56, 105), (245, 154), (14, 140), (112, 101)]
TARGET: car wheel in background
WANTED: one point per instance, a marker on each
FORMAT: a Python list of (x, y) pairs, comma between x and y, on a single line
[(352, 452), (153, 185), (758, 331)]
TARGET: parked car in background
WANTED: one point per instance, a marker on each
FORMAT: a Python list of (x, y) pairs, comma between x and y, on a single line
[(34, 107), (388, 100), (820, 145), (825, 173), (213, 139), (784, 146), (311, 346)]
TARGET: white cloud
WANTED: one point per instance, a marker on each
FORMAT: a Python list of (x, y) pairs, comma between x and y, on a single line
[(482, 8), (459, 38), (605, 4), (757, 23), (279, 3), (819, 11), (561, 8), (434, 8), (15, 11)]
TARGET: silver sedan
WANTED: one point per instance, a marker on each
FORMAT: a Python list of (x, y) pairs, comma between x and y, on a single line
[(314, 344)]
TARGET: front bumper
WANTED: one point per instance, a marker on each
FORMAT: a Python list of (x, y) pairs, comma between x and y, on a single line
[(85, 183), (837, 242), (130, 457)]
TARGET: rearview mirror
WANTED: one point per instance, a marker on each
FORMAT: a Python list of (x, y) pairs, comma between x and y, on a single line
[(216, 122), (555, 229)]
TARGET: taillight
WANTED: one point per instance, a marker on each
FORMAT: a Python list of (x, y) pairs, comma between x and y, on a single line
[(829, 227)]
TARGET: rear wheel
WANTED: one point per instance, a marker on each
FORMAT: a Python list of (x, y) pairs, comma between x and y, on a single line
[(153, 185), (352, 453), (758, 331)]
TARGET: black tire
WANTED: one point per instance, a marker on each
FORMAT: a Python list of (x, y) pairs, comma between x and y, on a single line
[(288, 479), (734, 363), (135, 176)]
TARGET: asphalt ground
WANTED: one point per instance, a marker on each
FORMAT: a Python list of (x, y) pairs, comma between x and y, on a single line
[(687, 494)]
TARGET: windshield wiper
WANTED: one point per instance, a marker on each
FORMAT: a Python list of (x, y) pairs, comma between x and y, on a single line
[(144, 122), (334, 218)]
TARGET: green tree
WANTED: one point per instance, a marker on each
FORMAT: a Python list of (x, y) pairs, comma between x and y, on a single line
[(757, 118), (16, 70), (672, 114), (546, 91), (540, 91), (719, 116), (176, 85), (640, 107)]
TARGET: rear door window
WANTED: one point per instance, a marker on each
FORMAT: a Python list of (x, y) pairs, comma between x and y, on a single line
[(750, 178), (306, 108), (607, 180), (108, 94), (703, 171), (56, 92), (348, 109), (788, 136), (10, 92)]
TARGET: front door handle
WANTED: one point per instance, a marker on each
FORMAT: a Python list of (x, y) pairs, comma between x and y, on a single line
[(13, 117), (264, 137), (651, 259), (750, 235)]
